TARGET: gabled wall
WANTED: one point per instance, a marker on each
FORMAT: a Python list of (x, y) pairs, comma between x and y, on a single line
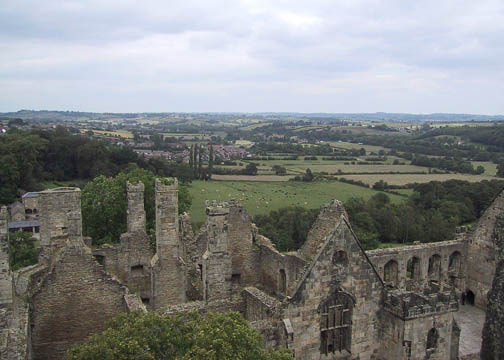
[(325, 276)]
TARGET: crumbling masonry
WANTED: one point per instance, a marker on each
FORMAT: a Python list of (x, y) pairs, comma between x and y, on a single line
[(329, 300)]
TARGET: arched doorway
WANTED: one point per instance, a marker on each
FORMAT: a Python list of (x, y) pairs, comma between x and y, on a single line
[(469, 297)]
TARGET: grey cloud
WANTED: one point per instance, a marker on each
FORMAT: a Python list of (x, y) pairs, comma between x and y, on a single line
[(261, 55)]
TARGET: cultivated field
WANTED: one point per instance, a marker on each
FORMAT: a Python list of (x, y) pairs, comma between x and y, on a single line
[(403, 179), (251, 178), (120, 133), (300, 165), (347, 146), (262, 197)]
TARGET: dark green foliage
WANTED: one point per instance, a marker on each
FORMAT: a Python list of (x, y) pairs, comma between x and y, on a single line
[(104, 204), (139, 336), (210, 161), (447, 163), (250, 169), (22, 250), (287, 227), (308, 176), (29, 157), (279, 170), (432, 213)]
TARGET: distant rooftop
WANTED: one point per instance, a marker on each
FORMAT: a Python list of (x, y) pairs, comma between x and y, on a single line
[(30, 194)]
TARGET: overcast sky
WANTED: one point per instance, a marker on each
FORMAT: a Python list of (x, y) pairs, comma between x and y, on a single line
[(417, 56)]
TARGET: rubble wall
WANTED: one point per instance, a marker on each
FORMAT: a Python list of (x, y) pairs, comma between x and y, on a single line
[(481, 253), (493, 330)]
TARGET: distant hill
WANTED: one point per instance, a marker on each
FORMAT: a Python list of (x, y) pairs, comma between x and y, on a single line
[(50, 115)]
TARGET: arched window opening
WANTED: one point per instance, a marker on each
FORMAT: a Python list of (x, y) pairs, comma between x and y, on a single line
[(455, 262), (413, 269), (390, 273), (434, 272), (432, 341), (283, 281), (336, 324)]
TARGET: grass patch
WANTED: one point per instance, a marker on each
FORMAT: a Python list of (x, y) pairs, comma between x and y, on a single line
[(490, 167)]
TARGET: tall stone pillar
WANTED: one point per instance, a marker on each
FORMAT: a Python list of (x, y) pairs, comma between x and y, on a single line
[(136, 212), (169, 270), (5, 275), (60, 216), (217, 261)]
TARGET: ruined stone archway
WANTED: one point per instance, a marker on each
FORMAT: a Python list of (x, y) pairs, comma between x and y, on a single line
[(413, 268), (390, 273)]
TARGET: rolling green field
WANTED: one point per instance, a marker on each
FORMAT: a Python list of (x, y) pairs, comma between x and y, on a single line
[(262, 197)]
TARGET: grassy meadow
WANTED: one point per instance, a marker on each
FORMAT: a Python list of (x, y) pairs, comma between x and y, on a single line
[(262, 197)]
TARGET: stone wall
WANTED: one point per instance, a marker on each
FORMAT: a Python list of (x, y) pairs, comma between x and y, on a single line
[(60, 215), (326, 221), (481, 254), (493, 331), (217, 263), (136, 212), (339, 266), (169, 271), (423, 252), (130, 262), (279, 273), (240, 237), (75, 300), (5, 275), (259, 306)]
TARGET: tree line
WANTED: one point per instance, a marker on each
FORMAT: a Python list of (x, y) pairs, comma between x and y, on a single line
[(430, 214), (28, 158)]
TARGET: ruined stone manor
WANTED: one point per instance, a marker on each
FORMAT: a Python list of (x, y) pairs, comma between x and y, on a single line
[(329, 300)]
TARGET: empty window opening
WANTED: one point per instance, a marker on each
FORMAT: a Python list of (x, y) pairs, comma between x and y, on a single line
[(432, 341), (390, 273), (434, 272), (235, 279), (200, 266), (145, 300), (336, 324), (413, 269), (137, 270), (455, 262), (100, 259), (283, 281)]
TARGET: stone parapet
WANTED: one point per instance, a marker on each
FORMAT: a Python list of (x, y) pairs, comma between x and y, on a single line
[(409, 305)]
